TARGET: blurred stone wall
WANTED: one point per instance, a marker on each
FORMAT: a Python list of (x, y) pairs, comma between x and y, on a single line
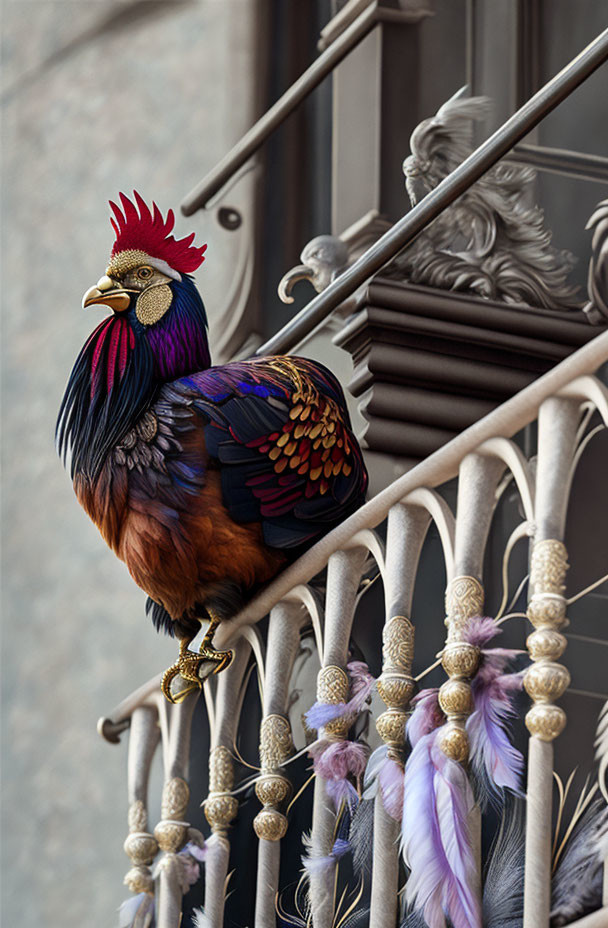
[(98, 97)]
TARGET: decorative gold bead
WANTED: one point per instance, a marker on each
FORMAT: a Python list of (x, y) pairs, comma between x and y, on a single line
[(391, 726), (455, 697), (220, 809), (176, 794), (547, 609), (141, 847), (545, 721), (171, 835), (460, 659), (454, 742), (276, 744), (546, 681), (270, 825), (272, 789), (395, 689), (398, 644), (332, 685), (139, 880), (546, 643)]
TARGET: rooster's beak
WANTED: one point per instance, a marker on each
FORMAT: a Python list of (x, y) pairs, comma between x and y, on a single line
[(108, 292)]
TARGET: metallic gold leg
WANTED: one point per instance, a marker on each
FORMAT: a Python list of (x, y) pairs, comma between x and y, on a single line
[(192, 667)]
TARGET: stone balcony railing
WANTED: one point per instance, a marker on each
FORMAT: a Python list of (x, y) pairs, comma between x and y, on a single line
[(478, 459)]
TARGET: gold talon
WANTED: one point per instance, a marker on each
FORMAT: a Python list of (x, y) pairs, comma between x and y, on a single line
[(189, 665)]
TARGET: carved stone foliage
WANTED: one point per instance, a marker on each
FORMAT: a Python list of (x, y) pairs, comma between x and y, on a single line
[(597, 279), (493, 240)]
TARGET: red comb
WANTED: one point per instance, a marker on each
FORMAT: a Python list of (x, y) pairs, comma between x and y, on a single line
[(144, 231)]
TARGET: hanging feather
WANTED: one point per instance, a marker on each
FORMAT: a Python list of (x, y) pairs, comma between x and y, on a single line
[(318, 863), (361, 837), (576, 888), (496, 764), (140, 908), (437, 803), (601, 749), (338, 762), (361, 685), (503, 884)]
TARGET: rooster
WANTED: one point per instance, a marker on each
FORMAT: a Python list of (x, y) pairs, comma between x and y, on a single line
[(204, 480)]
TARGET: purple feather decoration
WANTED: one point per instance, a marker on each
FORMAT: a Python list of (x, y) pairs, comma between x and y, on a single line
[(391, 788), (437, 802), (321, 713), (495, 763), (427, 714), (361, 685), (318, 864), (335, 762)]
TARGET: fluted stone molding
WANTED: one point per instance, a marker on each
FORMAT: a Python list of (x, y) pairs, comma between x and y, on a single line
[(546, 680)]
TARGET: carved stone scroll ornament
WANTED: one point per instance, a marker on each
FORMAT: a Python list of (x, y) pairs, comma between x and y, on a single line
[(464, 599), (273, 787), (545, 681), (395, 684), (220, 806), (491, 241)]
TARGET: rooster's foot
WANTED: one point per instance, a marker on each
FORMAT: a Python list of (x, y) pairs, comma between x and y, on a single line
[(192, 668)]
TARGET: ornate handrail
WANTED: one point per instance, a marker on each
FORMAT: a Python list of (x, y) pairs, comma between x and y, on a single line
[(478, 457)]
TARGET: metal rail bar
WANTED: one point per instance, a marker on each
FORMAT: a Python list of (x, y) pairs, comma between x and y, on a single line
[(456, 183), (199, 197), (561, 161)]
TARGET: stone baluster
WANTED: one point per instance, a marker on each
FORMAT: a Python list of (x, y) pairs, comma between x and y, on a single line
[(407, 528), (546, 680), (220, 806), (140, 845), (276, 746), (343, 575), (173, 829)]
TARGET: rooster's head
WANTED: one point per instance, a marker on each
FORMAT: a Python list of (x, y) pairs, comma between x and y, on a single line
[(156, 333)]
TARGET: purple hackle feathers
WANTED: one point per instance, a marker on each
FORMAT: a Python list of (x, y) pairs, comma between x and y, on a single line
[(437, 803), (495, 763), (321, 713), (335, 762), (361, 685), (391, 788), (427, 715), (319, 863)]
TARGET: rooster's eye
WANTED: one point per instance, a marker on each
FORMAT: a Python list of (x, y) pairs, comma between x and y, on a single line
[(144, 273)]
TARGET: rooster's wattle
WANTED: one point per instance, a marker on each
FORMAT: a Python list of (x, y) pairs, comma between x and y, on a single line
[(204, 480)]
